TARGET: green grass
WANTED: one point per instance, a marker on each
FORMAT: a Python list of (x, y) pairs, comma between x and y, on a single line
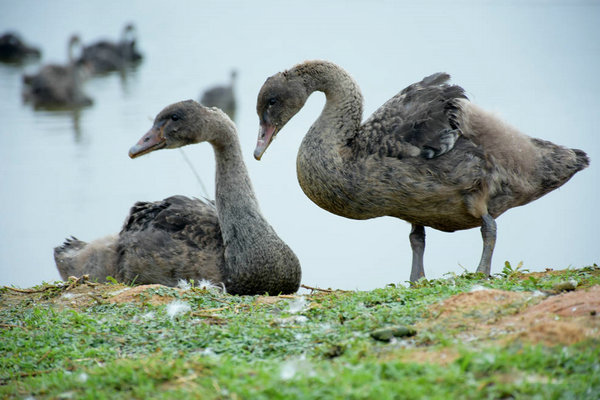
[(236, 347)]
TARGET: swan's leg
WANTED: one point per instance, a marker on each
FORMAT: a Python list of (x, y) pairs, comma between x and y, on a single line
[(417, 243), (488, 233)]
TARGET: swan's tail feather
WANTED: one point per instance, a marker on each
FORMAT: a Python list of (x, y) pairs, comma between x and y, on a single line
[(71, 243), (558, 164), (96, 259), (582, 159), (435, 79)]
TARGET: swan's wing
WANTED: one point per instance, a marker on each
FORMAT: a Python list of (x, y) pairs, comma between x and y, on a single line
[(164, 241), (421, 119), (191, 221)]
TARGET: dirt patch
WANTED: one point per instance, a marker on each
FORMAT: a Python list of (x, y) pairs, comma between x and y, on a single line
[(482, 302), (443, 356), (61, 297), (491, 314), (551, 333), (146, 294), (580, 303), (542, 274), (267, 299), (81, 294), (566, 318)]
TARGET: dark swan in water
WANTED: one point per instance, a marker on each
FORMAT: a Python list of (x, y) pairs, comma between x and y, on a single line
[(222, 96), (106, 56), (58, 86), (13, 49)]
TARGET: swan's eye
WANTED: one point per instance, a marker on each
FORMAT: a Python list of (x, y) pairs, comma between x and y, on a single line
[(272, 101), (174, 117)]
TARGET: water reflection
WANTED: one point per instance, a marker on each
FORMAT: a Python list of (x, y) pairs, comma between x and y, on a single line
[(74, 116), (126, 77)]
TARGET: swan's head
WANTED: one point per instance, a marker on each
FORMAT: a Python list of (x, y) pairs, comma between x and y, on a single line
[(279, 99), (180, 124), (129, 33)]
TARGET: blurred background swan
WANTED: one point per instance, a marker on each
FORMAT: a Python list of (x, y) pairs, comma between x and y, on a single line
[(106, 56), (14, 49), (222, 96), (59, 85)]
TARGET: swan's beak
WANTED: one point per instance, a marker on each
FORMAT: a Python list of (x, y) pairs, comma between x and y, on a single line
[(152, 140), (266, 134)]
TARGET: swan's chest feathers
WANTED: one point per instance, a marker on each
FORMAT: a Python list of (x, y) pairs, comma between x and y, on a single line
[(326, 179)]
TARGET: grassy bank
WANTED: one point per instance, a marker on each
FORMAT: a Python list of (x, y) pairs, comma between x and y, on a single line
[(516, 335)]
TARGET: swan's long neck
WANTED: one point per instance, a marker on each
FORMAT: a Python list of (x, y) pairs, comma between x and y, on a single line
[(322, 159), (342, 114), (256, 259), (73, 46), (235, 199)]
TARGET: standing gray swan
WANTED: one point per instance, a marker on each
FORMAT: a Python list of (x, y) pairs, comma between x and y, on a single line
[(222, 97), (181, 238), (58, 86), (427, 156)]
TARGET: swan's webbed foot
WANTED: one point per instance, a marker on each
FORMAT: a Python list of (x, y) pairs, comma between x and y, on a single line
[(417, 243), (488, 234)]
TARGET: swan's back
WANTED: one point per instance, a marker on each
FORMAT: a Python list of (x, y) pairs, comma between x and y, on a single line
[(164, 241)]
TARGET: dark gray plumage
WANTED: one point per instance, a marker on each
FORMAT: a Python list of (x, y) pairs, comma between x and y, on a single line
[(427, 156), (13, 49), (222, 97), (58, 86), (181, 238), (106, 56)]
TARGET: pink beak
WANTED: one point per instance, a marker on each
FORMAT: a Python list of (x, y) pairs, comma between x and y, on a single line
[(152, 140), (265, 137)]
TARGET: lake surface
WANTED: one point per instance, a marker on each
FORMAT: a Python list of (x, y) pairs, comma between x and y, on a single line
[(67, 173)]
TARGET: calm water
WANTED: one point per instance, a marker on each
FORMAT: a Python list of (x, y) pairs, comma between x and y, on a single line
[(62, 173)]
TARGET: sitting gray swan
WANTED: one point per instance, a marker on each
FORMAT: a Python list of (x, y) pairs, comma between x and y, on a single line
[(57, 86), (105, 56), (181, 238), (427, 156), (222, 97), (13, 49)]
